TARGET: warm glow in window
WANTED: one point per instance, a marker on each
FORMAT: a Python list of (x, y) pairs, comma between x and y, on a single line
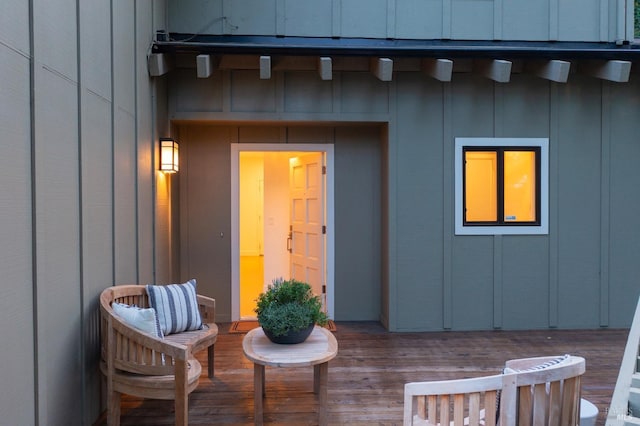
[(501, 186), (481, 186), (519, 186)]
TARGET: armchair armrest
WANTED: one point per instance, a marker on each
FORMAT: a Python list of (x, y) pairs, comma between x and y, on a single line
[(207, 307)]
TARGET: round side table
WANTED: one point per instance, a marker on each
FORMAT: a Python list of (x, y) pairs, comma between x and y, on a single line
[(319, 348)]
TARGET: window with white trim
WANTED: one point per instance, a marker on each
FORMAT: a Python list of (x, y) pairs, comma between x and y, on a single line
[(501, 186)]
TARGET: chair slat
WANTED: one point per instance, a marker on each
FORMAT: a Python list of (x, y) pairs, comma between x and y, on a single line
[(555, 403), (458, 409), (432, 402), (525, 406), (421, 405), (570, 397), (540, 405), (444, 410), (474, 409), (490, 404)]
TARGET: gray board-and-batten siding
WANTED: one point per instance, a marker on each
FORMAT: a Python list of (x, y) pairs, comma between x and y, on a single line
[(418, 275), (542, 20)]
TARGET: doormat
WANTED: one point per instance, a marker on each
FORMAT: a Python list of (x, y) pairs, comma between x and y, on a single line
[(240, 327)]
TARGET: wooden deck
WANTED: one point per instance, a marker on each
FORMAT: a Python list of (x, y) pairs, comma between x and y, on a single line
[(367, 377)]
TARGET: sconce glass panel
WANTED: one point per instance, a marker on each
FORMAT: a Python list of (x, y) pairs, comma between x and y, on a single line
[(168, 155)]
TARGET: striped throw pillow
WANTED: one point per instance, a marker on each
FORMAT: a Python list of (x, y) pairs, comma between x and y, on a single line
[(176, 306)]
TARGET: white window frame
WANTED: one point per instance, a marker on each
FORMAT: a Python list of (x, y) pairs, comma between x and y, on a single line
[(543, 227)]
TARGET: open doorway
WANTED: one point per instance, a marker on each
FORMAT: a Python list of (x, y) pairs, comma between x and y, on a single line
[(282, 220)]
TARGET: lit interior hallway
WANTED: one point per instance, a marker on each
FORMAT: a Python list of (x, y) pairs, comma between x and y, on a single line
[(251, 283)]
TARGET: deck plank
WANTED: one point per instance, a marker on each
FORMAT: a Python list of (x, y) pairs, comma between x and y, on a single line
[(367, 377)]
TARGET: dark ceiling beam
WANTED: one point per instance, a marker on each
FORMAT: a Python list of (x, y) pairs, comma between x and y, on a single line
[(331, 47)]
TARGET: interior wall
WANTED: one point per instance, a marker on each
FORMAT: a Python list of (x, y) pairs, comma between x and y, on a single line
[(276, 214), (251, 204)]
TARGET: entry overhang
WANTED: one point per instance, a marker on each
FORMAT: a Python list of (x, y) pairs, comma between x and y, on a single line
[(327, 46)]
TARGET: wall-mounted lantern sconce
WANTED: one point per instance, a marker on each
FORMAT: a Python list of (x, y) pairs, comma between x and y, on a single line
[(168, 155)]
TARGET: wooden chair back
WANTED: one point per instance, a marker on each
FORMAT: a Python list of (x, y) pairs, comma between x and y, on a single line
[(545, 396), (146, 356)]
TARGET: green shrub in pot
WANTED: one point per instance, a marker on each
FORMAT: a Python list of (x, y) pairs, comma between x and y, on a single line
[(289, 306)]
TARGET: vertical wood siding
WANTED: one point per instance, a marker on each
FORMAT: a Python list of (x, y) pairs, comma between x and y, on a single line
[(543, 20), (623, 197), (433, 279), (16, 406), (65, 209)]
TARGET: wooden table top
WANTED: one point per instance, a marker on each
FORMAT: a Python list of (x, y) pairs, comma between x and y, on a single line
[(321, 346)]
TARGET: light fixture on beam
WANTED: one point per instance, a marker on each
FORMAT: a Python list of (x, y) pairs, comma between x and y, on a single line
[(158, 64), (497, 70), (381, 68), (554, 70), (265, 67), (616, 71), (325, 68), (203, 66), (168, 155), (440, 69)]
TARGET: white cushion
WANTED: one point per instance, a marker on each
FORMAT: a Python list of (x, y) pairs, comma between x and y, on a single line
[(176, 306), (143, 319), (588, 413)]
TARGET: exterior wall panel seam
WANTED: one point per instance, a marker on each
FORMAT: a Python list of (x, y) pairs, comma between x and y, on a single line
[(34, 239), (391, 18), (83, 337), (498, 13), (336, 18), (392, 260), (113, 141), (554, 123), (446, 19), (605, 216), (554, 20), (136, 143), (447, 190)]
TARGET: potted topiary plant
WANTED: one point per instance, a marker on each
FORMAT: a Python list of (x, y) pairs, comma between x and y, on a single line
[(288, 311)]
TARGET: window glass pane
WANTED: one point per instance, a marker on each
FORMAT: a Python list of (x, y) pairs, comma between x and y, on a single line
[(519, 186), (480, 186)]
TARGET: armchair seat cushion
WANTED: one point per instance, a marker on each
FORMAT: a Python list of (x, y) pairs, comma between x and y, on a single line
[(155, 387)]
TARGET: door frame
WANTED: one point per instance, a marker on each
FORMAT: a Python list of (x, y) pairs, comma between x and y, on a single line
[(236, 148)]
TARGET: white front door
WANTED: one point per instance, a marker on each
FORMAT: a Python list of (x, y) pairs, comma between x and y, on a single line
[(306, 242)]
